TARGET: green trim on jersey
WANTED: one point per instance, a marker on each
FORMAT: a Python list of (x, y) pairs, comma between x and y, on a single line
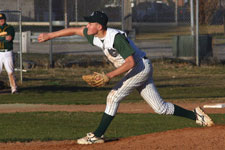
[(90, 38), (2, 38), (121, 44)]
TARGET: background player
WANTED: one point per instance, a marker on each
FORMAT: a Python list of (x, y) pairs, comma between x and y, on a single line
[(6, 47), (128, 60)]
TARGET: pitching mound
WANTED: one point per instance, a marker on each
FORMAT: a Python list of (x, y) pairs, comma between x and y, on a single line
[(207, 138)]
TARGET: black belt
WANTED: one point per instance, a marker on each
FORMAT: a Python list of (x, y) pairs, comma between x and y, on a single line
[(145, 57), (4, 50)]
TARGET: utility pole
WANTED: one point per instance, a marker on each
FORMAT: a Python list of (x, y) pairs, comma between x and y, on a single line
[(126, 16)]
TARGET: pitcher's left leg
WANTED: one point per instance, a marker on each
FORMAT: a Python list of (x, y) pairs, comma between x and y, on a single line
[(152, 97)]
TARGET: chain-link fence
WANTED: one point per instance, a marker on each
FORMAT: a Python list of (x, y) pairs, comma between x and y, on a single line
[(156, 22), (211, 22)]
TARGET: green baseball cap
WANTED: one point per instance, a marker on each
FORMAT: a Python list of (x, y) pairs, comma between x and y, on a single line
[(2, 16), (97, 16)]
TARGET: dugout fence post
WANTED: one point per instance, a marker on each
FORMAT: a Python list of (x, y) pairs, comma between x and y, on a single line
[(50, 30), (197, 32), (224, 21), (21, 58), (176, 12), (192, 16)]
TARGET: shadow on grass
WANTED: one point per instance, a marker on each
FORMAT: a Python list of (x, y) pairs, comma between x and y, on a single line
[(16, 140), (111, 139), (5, 91), (61, 88), (156, 79), (176, 85)]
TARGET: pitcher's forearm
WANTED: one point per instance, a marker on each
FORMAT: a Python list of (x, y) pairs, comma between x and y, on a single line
[(67, 32), (64, 32), (129, 64)]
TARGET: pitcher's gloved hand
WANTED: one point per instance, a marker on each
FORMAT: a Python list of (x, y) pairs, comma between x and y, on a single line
[(96, 79)]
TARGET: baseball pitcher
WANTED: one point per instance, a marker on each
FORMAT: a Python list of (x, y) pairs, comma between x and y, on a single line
[(128, 60)]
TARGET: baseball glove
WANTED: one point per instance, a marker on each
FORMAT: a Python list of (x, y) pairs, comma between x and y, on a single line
[(96, 79), (3, 33)]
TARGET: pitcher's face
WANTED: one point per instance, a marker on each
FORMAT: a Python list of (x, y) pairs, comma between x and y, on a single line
[(93, 28)]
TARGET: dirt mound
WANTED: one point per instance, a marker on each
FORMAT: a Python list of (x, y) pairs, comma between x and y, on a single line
[(207, 138)]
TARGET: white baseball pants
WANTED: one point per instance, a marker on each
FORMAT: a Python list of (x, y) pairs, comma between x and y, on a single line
[(6, 59), (140, 78)]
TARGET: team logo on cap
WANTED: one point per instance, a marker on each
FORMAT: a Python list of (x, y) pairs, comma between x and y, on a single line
[(92, 14)]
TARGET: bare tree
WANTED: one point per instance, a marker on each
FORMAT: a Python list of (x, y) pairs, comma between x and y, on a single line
[(206, 10)]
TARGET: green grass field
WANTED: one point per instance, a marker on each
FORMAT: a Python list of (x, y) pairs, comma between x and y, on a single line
[(47, 126), (175, 81)]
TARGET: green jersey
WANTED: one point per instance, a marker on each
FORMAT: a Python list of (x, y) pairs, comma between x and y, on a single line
[(4, 44)]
